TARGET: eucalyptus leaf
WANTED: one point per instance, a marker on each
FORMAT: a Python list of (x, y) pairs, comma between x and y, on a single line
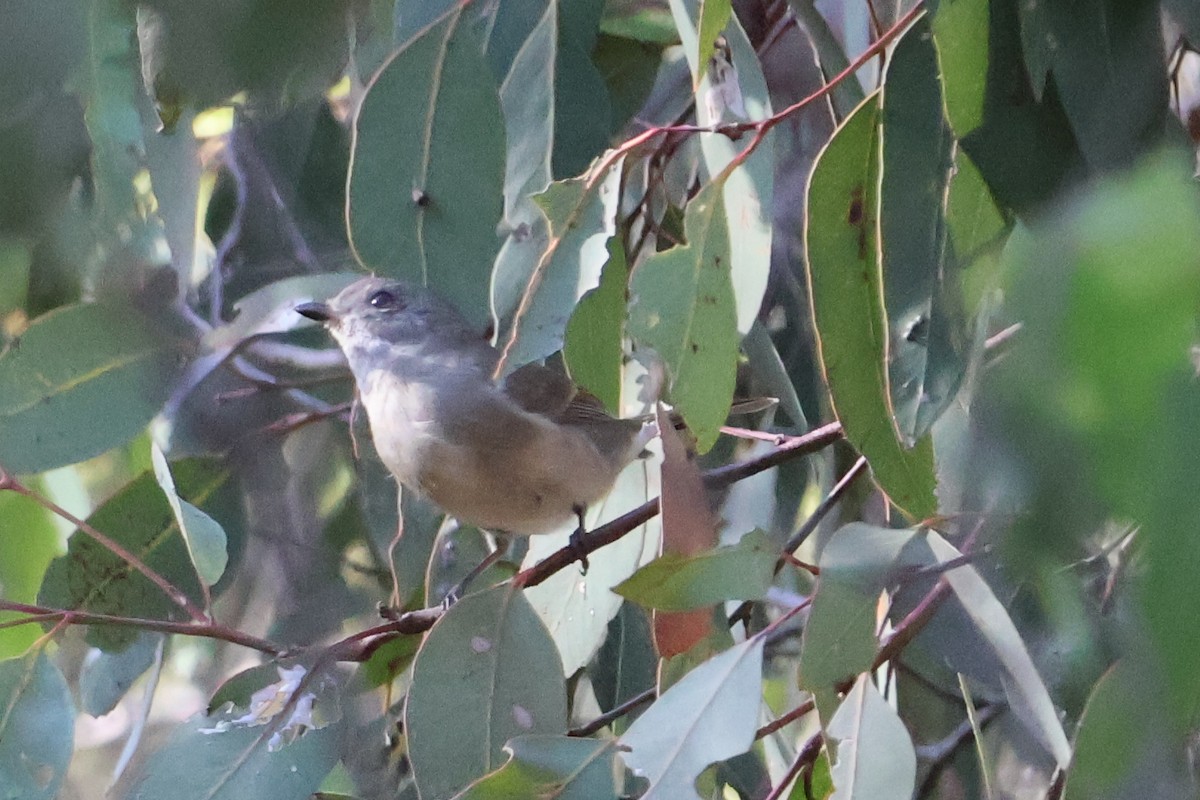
[(675, 582), (550, 766), (875, 755), (848, 307), (425, 130), (37, 728), (200, 761), (682, 307), (709, 715), (490, 666), (1027, 693), (204, 536), (546, 282), (92, 578), (84, 379)]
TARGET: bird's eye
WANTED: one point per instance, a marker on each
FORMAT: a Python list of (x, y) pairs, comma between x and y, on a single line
[(385, 301)]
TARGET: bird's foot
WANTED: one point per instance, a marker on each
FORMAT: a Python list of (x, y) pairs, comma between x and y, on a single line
[(576, 543)]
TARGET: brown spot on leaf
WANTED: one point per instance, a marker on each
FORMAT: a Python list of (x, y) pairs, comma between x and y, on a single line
[(856, 206), (857, 218)]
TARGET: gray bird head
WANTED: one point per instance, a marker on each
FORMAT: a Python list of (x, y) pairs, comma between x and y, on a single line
[(381, 318)]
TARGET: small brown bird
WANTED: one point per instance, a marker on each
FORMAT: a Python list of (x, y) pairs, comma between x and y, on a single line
[(522, 455)]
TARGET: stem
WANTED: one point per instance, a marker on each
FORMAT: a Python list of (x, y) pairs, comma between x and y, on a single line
[(207, 630), (610, 532), (7, 481)]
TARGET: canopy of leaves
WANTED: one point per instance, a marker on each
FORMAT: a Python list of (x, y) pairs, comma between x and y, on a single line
[(909, 290)]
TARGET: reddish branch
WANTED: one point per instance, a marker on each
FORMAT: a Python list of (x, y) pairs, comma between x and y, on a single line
[(9, 482)]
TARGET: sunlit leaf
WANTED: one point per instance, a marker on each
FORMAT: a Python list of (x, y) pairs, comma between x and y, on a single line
[(550, 766), (204, 536), (682, 306), (841, 236), (593, 345), (542, 290), (23, 561)]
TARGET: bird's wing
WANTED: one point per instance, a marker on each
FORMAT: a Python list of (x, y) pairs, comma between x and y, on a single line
[(539, 389)]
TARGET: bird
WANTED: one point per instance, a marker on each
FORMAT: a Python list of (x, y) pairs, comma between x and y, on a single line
[(519, 455)]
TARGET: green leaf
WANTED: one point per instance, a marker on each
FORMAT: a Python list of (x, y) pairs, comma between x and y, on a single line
[(839, 640), (626, 665), (107, 86), (36, 729), (175, 168), (929, 328), (749, 186), (1121, 743), (23, 561), (83, 379), (106, 677), (682, 306), (204, 536), (536, 292), (582, 109), (16, 261), (629, 68), (675, 582), (1027, 693), (202, 762), (425, 130), (490, 666), (960, 34), (1106, 59), (714, 16), (527, 99), (593, 345), (710, 715), (238, 689), (847, 298), (91, 578), (875, 755), (550, 766), (975, 222), (636, 20)]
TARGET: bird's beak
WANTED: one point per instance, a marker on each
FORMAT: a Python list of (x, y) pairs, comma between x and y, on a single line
[(315, 311)]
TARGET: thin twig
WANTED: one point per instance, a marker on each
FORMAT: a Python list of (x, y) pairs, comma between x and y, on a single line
[(9, 482), (716, 478), (787, 719), (614, 713), (733, 131), (742, 612), (807, 755), (206, 630)]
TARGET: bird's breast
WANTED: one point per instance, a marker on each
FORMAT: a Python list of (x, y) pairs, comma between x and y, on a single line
[(402, 421)]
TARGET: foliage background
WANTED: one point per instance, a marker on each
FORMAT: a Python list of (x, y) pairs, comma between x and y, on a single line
[(958, 241)]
